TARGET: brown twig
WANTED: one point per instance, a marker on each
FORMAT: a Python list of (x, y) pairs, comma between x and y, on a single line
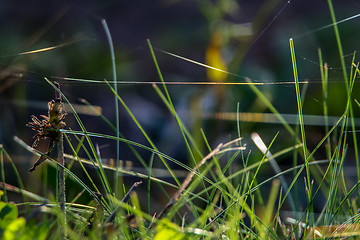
[(124, 200)]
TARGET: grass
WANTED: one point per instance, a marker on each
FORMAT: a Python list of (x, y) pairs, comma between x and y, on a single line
[(222, 193)]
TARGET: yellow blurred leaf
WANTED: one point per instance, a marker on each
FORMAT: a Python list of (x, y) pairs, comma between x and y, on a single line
[(167, 230), (214, 59), (15, 229)]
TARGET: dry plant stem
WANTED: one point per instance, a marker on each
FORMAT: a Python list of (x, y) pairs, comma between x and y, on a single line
[(124, 200), (133, 187), (49, 128), (62, 195), (186, 182), (61, 172), (43, 158)]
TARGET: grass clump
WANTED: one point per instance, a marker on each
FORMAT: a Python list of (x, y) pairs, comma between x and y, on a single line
[(222, 192)]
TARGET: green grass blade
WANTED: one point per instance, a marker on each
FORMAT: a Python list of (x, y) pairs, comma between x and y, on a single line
[(4, 196), (82, 166), (338, 41), (18, 177), (258, 168), (71, 174), (173, 111), (143, 132), (106, 120), (270, 206), (324, 83), (301, 121), (299, 104), (112, 53), (164, 156)]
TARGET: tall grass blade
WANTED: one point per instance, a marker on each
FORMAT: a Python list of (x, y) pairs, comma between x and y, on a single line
[(4, 196), (143, 132), (324, 83), (346, 79), (262, 147), (6, 155), (112, 53)]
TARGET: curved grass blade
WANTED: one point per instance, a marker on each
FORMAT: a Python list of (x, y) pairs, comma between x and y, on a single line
[(80, 162), (5, 154), (90, 134), (132, 149), (112, 53), (71, 174), (142, 131)]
